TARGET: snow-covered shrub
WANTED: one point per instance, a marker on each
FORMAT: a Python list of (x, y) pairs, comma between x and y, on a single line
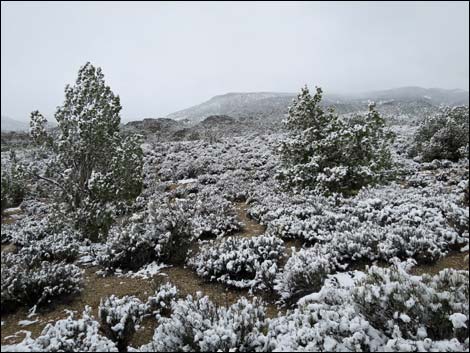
[(443, 136), (173, 229), (161, 301), (323, 327), (304, 273), (198, 325), (393, 300), (13, 185), (24, 283), (239, 262), (213, 216), (385, 309), (119, 317), (67, 335), (128, 247), (163, 232), (61, 246), (326, 153)]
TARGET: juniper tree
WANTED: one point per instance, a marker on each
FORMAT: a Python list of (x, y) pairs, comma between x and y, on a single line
[(94, 169), (443, 136), (329, 154)]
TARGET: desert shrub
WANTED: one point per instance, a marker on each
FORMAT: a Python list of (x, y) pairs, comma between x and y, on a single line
[(128, 247), (57, 247), (171, 223), (239, 262), (25, 284), (323, 327), (213, 216), (161, 301), (384, 309), (67, 335), (443, 136), (325, 153), (39, 227), (119, 317), (14, 185), (198, 325), (376, 224), (163, 232), (304, 273), (394, 300)]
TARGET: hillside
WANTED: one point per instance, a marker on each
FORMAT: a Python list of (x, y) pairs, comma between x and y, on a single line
[(275, 105), (9, 124)]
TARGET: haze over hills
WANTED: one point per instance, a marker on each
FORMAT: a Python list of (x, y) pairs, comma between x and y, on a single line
[(275, 104), (9, 124)]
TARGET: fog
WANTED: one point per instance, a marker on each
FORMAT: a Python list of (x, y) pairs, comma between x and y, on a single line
[(162, 57)]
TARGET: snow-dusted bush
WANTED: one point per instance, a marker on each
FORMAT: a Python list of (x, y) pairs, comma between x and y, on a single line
[(14, 183), (378, 223), (443, 136), (304, 273), (119, 317), (61, 246), (326, 153), (385, 309), (395, 301), (24, 283), (240, 262), (163, 232), (128, 247), (213, 216), (173, 230), (198, 325), (323, 327), (161, 301), (67, 335)]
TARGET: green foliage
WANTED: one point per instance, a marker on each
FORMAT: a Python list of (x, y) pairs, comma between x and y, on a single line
[(326, 153), (96, 170), (443, 136), (14, 184)]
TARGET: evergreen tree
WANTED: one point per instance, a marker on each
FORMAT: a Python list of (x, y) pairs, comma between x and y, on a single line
[(95, 169), (328, 154)]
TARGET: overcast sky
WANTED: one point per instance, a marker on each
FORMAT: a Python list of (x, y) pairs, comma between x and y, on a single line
[(163, 57)]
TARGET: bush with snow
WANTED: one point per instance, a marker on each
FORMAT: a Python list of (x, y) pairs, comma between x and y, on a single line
[(161, 302), (304, 273), (67, 335), (326, 153), (26, 283), (443, 136), (395, 301), (240, 262), (389, 310), (13, 185), (119, 318), (163, 232), (198, 325)]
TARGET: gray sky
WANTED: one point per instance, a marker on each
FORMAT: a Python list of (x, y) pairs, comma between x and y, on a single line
[(163, 57)]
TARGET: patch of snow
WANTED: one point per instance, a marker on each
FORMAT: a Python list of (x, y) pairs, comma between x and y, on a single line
[(27, 322), (458, 320), (148, 271), (186, 181)]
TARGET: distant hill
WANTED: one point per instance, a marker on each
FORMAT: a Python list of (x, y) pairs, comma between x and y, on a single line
[(435, 96), (238, 105), (9, 124), (275, 104)]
